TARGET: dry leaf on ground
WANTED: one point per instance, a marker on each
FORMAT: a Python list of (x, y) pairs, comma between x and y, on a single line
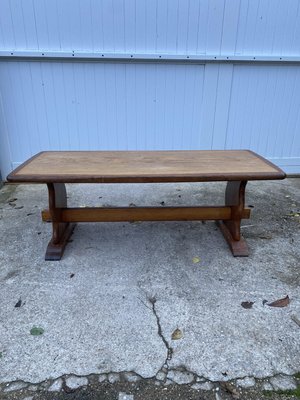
[(230, 388), (196, 260), (280, 302), (19, 303), (36, 331), (177, 334), (293, 214), (247, 304)]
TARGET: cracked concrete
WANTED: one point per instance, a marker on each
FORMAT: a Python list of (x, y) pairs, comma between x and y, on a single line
[(169, 349), (92, 304)]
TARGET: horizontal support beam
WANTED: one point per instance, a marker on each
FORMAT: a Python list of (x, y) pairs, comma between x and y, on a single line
[(38, 55), (119, 214)]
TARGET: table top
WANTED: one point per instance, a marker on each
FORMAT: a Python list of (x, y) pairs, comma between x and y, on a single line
[(145, 166)]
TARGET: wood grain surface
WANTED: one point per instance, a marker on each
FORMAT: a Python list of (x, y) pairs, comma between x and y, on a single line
[(118, 214), (145, 166)]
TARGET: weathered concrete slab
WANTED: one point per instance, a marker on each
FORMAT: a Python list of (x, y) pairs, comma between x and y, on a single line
[(94, 304)]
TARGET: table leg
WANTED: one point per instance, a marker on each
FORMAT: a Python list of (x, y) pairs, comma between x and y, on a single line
[(61, 231), (235, 199)]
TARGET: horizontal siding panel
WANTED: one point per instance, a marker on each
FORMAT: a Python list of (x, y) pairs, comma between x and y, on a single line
[(143, 26), (88, 106), (91, 106), (264, 110), (123, 105)]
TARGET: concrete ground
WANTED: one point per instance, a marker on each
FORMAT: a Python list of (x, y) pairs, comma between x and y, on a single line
[(108, 309)]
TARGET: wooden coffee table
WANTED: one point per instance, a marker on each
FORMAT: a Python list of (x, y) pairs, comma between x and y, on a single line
[(55, 168)]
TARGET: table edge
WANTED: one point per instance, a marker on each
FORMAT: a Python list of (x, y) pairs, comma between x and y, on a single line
[(208, 177)]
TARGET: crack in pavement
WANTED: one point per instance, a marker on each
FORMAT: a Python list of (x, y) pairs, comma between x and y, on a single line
[(152, 301)]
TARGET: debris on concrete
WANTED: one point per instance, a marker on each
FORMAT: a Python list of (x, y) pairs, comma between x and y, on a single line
[(102, 378), (284, 302), (180, 377), (33, 388), (203, 386), (14, 386), (231, 389), (246, 383), (131, 377), (161, 376), (266, 386), (56, 386), (75, 382), (113, 377), (125, 396), (36, 331), (177, 334), (247, 304)]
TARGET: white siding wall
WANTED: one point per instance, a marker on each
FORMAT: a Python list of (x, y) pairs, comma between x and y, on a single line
[(94, 104), (166, 26)]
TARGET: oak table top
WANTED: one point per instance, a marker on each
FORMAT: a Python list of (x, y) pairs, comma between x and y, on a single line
[(145, 166)]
